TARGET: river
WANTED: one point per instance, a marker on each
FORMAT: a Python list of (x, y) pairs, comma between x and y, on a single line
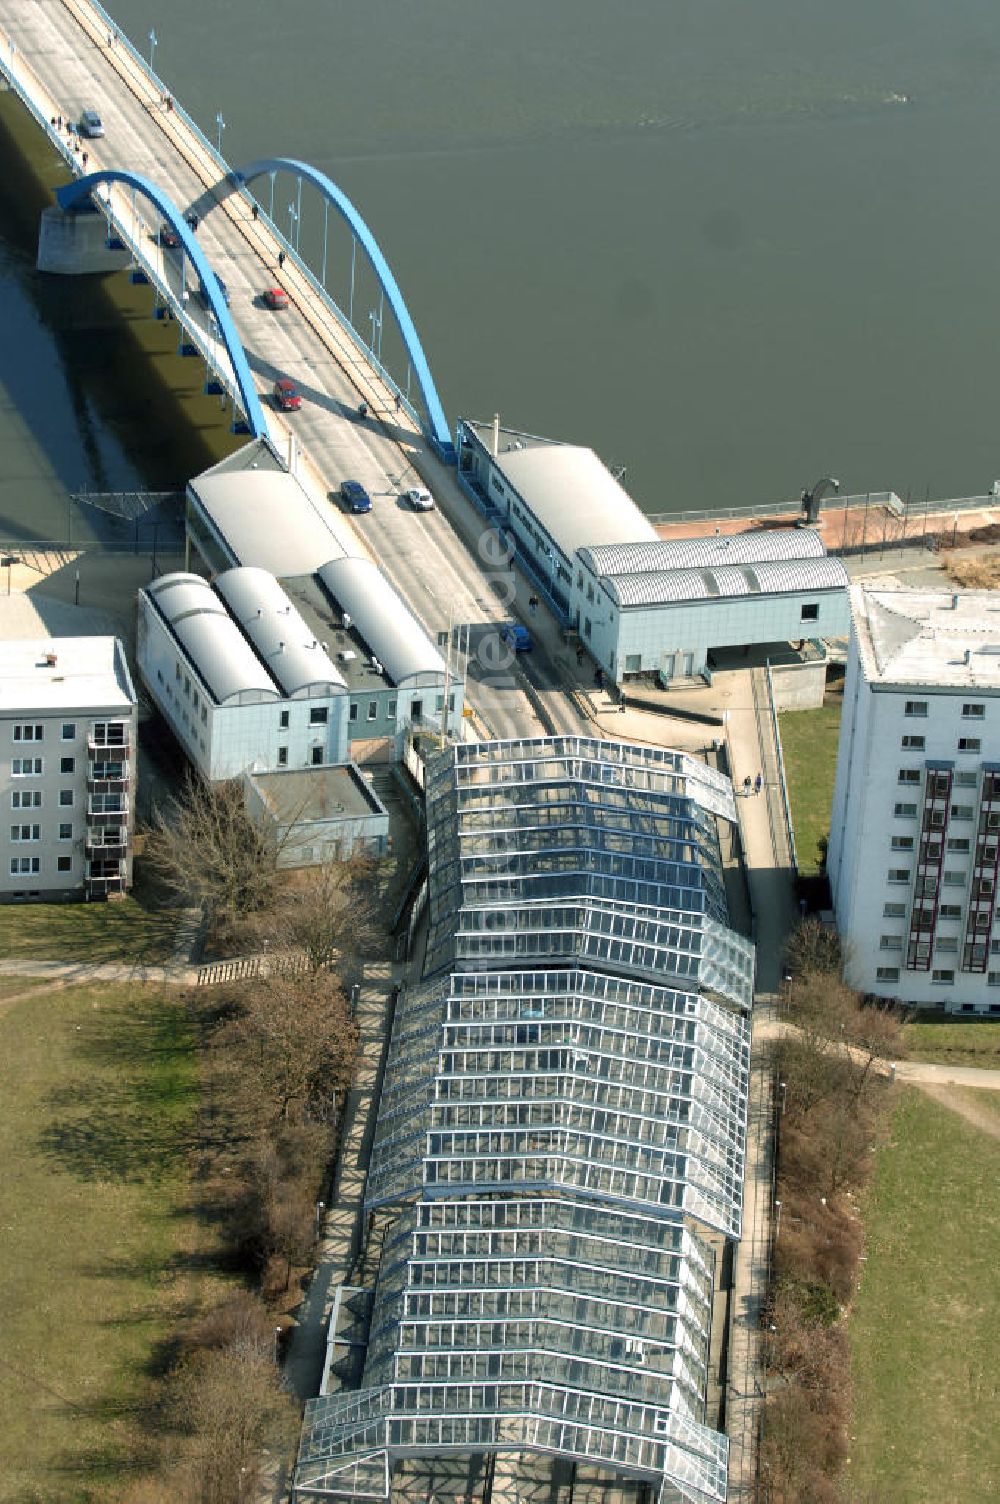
[(733, 246)]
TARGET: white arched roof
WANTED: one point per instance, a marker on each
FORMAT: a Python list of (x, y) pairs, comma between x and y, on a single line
[(389, 628), (219, 653), (267, 617)]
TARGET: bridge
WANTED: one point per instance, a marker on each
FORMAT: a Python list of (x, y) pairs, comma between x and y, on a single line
[(153, 168)]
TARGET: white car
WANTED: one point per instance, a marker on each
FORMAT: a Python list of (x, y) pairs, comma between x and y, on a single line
[(420, 498)]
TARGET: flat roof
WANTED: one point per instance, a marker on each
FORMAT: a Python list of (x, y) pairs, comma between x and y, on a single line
[(574, 496), (928, 637), (63, 673), (265, 518), (350, 653), (337, 793), (392, 632)]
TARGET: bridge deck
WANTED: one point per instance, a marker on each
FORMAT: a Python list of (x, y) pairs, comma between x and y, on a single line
[(64, 60)]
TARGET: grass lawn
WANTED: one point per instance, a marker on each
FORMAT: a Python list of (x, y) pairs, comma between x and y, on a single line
[(809, 749), (923, 1330), (138, 928), (99, 1246), (946, 1042)]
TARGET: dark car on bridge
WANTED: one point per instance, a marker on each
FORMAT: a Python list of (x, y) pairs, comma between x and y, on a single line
[(286, 395), (355, 496), (516, 637), (203, 295), (169, 237)]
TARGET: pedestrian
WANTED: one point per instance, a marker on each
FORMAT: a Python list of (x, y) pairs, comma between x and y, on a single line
[(84, 160), (579, 656), (599, 677), (255, 211), (399, 402), (757, 784), (532, 604), (747, 786), (281, 260)]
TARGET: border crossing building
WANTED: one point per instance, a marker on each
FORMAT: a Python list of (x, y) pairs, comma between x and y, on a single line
[(558, 1158), (643, 605), (914, 853)]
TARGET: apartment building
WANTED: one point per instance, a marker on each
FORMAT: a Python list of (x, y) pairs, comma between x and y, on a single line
[(915, 828), (67, 768)]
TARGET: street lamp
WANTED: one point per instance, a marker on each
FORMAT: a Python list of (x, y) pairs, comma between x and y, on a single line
[(152, 48), (376, 323), (293, 219), (320, 1209), (220, 126), (777, 1219)]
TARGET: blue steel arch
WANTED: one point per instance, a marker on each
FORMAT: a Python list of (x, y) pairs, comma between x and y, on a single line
[(70, 197), (439, 432)]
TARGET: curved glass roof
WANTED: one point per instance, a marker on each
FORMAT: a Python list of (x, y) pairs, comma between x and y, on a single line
[(563, 1116), (267, 617)]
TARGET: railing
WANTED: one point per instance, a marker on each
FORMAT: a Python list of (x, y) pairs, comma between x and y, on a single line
[(782, 784)]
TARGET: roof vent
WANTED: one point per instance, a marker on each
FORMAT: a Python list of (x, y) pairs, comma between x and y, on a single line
[(954, 603), (281, 647), (347, 621), (968, 657), (51, 660)]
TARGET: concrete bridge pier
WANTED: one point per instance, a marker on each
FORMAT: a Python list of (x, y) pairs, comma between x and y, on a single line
[(75, 243)]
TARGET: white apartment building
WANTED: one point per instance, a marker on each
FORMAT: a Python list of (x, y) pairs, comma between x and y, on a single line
[(67, 768), (915, 826)]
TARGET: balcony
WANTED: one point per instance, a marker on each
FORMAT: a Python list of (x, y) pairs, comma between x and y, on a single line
[(100, 818), (112, 851), (100, 887), (106, 751), (119, 785)]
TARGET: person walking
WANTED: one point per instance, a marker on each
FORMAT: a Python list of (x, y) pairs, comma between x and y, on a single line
[(747, 786), (758, 781), (254, 211), (281, 260)]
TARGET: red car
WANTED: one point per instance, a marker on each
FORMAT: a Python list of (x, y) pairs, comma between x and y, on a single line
[(286, 395), (275, 297)]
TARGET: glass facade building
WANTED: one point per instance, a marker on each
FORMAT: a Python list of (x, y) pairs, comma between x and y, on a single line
[(561, 1132)]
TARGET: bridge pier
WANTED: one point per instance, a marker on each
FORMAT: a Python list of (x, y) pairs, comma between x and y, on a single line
[(75, 244)]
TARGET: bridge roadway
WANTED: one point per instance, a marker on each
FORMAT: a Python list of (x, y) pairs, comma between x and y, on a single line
[(66, 60)]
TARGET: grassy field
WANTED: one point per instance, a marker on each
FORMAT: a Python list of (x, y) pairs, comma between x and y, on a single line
[(946, 1042), (923, 1331), (99, 1245), (809, 749), (137, 929)]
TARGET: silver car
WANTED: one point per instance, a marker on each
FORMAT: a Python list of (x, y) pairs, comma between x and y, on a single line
[(91, 124), (420, 498)]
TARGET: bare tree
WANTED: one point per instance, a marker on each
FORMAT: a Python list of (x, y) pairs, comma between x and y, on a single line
[(813, 946), (300, 1042), (231, 1401), (205, 848), (326, 914)]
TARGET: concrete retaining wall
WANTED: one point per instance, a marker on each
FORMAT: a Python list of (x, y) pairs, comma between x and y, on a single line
[(798, 686)]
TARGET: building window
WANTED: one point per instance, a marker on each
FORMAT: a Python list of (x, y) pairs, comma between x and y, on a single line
[(64, 863), (177, 673), (204, 717), (810, 612), (68, 732), (969, 744), (894, 910), (187, 686), (586, 626), (913, 743), (282, 757), (26, 799), (946, 944), (318, 715), (317, 757), (283, 721), (994, 979), (26, 767), (890, 942), (67, 764), (20, 865), (902, 843), (953, 878), (915, 707), (372, 709), (951, 911), (905, 811), (110, 733), (65, 798), (966, 779), (961, 812), (390, 710), (973, 712), (33, 732), (25, 832), (899, 874), (354, 710), (65, 832), (942, 978), (909, 775), (958, 843), (887, 973)]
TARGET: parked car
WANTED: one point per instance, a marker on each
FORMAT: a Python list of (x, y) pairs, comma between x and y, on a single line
[(517, 638), (420, 498), (355, 495), (91, 124), (275, 297), (286, 395)]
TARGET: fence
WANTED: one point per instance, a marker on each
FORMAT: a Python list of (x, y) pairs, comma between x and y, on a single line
[(241, 967), (773, 770)]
